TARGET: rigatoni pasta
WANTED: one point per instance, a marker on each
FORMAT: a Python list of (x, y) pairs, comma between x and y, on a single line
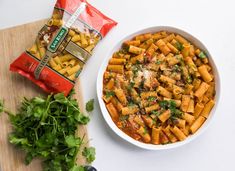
[(162, 87), (63, 46)]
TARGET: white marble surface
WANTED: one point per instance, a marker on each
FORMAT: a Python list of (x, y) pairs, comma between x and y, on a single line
[(211, 21)]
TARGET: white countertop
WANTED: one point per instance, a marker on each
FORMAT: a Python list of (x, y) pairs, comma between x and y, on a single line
[(212, 22)]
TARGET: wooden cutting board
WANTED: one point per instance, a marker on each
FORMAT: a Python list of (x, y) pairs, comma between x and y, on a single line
[(13, 87)]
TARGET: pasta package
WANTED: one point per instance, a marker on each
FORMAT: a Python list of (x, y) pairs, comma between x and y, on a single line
[(63, 46)]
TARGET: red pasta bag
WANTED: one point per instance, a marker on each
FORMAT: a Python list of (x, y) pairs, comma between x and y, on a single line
[(63, 46)]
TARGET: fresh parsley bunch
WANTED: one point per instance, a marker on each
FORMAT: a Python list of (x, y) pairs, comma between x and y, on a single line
[(45, 128)]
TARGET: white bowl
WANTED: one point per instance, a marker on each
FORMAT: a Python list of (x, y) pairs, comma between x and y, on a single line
[(105, 113)]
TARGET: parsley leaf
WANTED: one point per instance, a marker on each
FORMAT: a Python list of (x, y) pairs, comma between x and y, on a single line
[(151, 98), (123, 117), (46, 128), (89, 153), (90, 105), (109, 93), (202, 55), (154, 112), (179, 46), (171, 105)]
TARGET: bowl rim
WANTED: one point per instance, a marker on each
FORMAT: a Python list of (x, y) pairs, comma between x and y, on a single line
[(105, 113)]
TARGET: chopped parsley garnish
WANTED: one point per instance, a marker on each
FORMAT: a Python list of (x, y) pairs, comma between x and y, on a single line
[(154, 112), (130, 86), (145, 130), (109, 94), (189, 79), (123, 117), (202, 55), (171, 105), (152, 98), (179, 46), (176, 68), (158, 62), (135, 69)]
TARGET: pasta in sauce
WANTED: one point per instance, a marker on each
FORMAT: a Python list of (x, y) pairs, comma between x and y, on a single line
[(159, 88)]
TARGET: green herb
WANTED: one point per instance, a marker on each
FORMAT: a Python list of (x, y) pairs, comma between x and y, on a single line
[(202, 55), (131, 102), (78, 168), (176, 68), (135, 69), (171, 105), (123, 117), (163, 104), (189, 79), (45, 128), (179, 46), (109, 94), (90, 105), (152, 98), (155, 112), (145, 130), (1, 106), (158, 62), (130, 86), (89, 153)]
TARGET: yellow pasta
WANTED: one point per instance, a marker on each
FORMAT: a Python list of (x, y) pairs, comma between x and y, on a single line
[(143, 37), (166, 79), (57, 60), (164, 116), (168, 133), (156, 135), (197, 124), (161, 87), (186, 49), (198, 109), (139, 121), (129, 110), (64, 70), (73, 70), (205, 112), (76, 38), (204, 73), (172, 48), (72, 62), (112, 110), (137, 59), (33, 49), (52, 63), (121, 96), (151, 108), (163, 47), (84, 42), (201, 90), (185, 102), (191, 106), (164, 92), (116, 68), (189, 118), (178, 133), (181, 39), (136, 50), (72, 77), (66, 57), (142, 132)]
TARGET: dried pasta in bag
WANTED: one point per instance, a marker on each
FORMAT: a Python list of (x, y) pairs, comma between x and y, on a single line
[(63, 45)]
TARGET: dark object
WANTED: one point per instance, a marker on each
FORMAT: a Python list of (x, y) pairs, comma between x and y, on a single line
[(90, 168)]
